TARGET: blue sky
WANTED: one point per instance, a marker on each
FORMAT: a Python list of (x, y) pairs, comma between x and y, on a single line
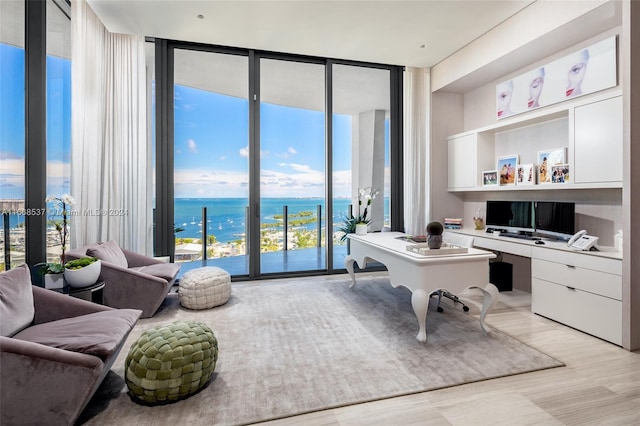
[(12, 123), (211, 140), (211, 148)]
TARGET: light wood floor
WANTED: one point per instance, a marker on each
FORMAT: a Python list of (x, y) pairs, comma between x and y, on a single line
[(600, 384)]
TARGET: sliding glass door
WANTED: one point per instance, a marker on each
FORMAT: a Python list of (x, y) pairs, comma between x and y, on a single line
[(292, 166), (361, 149), (266, 154), (211, 152)]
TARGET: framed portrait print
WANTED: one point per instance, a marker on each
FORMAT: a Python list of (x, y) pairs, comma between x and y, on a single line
[(546, 159), (507, 168), (526, 174), (560, 173), (490, 178)]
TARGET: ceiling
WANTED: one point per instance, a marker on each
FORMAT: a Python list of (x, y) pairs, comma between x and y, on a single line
[(411, 33)]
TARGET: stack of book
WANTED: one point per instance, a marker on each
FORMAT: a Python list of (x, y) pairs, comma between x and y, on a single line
[(452, 223)]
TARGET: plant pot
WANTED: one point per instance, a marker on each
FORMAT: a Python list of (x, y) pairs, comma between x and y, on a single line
[(53, 281), (434, 241), (83, 277), (361, 229)]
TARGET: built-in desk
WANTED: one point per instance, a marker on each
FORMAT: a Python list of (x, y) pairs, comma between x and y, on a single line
[(577, 288)]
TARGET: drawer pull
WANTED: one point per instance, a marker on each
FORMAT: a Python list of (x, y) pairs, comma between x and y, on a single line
[(571, 266), (571, 288)]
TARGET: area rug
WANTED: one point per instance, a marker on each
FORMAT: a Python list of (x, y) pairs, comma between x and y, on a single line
[(298, 346)]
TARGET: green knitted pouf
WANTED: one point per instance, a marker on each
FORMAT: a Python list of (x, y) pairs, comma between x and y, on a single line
[(171, 362)]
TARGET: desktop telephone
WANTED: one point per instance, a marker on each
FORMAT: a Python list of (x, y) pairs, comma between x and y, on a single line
[(582, 241)]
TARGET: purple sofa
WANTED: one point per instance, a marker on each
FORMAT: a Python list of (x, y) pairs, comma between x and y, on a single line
[(55, 350), (131, 280)]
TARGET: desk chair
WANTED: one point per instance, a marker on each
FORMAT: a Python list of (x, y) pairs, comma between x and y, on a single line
[(461, 241)]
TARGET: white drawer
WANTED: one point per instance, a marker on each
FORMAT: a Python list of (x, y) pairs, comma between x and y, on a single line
[(579, 259), (600, 283), (596, 315), (503, 246)]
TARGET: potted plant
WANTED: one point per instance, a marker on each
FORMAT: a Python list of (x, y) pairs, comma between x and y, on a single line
[(358, 224), (82, 272), (53, 274), (434, 235), (52, 271)]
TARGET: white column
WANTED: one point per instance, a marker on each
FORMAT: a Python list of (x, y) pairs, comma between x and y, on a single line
[(368, 162)]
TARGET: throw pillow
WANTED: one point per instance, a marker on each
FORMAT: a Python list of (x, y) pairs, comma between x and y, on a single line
[(109, 252), (16, 300)]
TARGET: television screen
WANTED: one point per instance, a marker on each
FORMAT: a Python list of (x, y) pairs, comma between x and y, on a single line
[(555, 219), (512, 216)]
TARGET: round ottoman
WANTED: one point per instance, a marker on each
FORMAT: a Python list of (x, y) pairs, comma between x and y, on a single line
[(171, 362), (204, 288)]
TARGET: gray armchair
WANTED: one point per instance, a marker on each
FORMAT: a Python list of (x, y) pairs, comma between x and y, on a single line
[(55, 350), (131, 280)]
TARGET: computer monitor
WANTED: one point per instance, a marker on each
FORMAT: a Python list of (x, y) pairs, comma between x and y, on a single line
[(510, 216), (556, 219)]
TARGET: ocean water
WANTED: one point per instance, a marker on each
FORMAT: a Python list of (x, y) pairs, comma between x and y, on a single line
[(226, 216)]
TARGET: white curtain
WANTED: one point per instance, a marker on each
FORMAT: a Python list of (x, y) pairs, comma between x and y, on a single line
[(417, 104), (110, 170)]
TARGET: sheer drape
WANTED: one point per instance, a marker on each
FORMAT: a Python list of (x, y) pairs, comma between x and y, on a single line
[(417, 102), (110, 170)]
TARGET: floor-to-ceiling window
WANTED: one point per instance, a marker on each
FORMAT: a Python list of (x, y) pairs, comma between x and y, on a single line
[(12, 154), (58, 117), (292, 166), (49, 123), (361, 148), (211, 158), (253, 138)]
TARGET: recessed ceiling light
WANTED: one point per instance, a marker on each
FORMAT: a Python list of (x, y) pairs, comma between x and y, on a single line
[(422, 46), (201, 16)]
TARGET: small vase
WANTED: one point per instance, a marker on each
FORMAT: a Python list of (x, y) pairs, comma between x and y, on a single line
[(361, 229), (83, 277), (434, 241), (53, 281)]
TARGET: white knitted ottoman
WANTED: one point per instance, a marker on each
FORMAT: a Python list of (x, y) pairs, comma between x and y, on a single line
[(204, 288)]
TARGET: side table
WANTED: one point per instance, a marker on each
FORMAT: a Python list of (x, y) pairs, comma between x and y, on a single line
[(92, 293)]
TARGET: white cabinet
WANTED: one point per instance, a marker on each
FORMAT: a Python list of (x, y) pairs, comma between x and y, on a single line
[(590, 128), (462, 161), (598, 141), (578, 290), (465, 152)]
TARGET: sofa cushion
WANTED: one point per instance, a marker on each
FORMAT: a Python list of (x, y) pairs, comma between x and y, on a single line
[(167, 271), (97, 334), (109, 252), (16, 300)]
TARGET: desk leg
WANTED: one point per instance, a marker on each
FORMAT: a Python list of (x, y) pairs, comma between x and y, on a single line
[(420, 303), (490, 293), (348, 264)]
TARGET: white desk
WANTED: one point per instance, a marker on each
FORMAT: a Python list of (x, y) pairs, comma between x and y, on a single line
[(582, 289), (424, 274)]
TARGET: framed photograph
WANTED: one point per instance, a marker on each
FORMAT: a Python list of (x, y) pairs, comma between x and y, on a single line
[(546, 159), (490, 178), (560, 173), (507, 168), (526, 174)]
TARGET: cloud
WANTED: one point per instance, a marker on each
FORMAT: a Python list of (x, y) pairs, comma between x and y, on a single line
[(193, 146), (222, 158), (6, 155), (300, 167), (290, 151)]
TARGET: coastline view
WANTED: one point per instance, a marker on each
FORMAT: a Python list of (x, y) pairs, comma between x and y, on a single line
[(225, 227)]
